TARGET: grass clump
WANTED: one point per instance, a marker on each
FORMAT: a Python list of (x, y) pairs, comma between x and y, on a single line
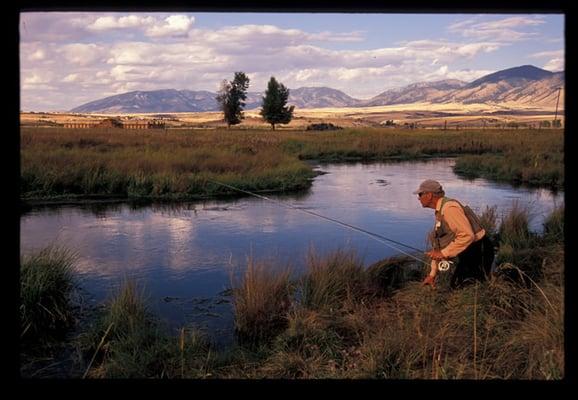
[(46, 283), (261, 300), (126, 341), (332, 280)]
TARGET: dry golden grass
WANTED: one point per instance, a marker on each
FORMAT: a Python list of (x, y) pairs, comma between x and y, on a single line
[(425, 114)]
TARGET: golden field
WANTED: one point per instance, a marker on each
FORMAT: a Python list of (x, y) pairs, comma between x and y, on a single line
[(422, 114)]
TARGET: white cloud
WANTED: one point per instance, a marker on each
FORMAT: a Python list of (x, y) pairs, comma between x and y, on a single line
[(34, 79), (174, 25), (357, 36), (507, 30), (467, 75), (111, 22), (472, 49), (70, 78), (554, 65), (512, 22), (460, 24), (54, 26), (548, 54), (82, 54), (38, 55)]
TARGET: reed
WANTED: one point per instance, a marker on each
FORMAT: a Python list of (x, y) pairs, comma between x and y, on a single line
[(332, 280), (261, 300), (554, 225), (529, 165), (334, 321), (46, 284), (178, 164), (127, 341)]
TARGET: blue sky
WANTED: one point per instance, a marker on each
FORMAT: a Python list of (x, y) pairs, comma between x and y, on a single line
[(70, 58)]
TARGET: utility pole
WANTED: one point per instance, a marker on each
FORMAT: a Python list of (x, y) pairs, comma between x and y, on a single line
[(556, 113)]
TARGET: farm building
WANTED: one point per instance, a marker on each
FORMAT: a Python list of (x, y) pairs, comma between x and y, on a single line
[(143, 125), (77, 125), (115, 123), (109, 123)]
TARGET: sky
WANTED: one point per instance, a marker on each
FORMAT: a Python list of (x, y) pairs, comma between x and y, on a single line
[(71, 58)]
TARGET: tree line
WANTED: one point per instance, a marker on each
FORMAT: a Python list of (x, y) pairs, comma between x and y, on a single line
[(232, 95)]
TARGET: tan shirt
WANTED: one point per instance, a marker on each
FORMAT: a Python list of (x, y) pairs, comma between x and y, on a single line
[(458, 222)]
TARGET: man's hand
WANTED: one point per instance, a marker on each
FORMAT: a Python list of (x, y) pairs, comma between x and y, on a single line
[(429, 280), (435, 254)]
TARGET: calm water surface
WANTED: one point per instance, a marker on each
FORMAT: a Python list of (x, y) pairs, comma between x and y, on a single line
[(184, 255)]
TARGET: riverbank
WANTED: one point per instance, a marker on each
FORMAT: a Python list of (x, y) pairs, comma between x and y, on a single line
[(73, 164), (341, 319)]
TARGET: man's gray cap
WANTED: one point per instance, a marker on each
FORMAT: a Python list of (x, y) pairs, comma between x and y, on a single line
[(429, 185)]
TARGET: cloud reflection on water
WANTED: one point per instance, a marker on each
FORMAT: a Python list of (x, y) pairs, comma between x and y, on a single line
[(187, 244)]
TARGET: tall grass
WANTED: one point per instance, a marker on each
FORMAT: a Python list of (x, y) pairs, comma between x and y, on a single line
[(68, 162), (529, 165), (127, 341), (554, 225), (46, 283), (336, 321), (332, 280), (261, 301), (499, 329)]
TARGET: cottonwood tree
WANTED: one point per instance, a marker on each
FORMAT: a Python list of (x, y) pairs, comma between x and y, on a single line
[(274, 109), (231, 98)]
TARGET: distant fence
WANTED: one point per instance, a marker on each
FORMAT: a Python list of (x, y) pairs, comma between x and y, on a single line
[(116, 124), (78, 125)]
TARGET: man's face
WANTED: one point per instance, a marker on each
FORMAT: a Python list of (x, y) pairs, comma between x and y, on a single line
[(424, 198)]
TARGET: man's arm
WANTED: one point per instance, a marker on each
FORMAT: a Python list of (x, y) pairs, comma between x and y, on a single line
[(430, 279)]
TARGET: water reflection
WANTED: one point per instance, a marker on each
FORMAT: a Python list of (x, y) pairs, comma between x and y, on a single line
[(188, 251)]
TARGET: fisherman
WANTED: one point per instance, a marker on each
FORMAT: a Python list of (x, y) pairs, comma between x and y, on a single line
[(457, 237)]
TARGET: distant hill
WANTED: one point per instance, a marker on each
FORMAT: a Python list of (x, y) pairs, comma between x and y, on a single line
[(319, 97), (525, 85), (514, 76), (515, 86), (151, 101), (172, 100), (416, 92)]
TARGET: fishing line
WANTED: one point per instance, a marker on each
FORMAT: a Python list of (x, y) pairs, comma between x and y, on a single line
[(372, 235)]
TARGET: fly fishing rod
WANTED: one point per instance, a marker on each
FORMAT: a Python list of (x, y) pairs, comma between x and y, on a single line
[(372, 235)]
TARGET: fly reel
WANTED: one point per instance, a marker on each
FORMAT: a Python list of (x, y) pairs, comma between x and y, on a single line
[(444, 265)]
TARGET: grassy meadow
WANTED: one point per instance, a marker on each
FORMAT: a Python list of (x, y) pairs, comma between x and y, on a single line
[(341, 319), (61, 163)]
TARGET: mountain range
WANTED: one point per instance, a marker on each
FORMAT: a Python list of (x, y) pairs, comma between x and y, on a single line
[(525, 85)]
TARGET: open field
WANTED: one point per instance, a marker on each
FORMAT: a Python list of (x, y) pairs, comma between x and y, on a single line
[(423, 114)]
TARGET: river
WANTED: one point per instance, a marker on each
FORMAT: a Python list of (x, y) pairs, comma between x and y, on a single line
[(183, 255)]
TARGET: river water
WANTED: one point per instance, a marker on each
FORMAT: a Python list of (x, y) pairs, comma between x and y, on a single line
[(184, 255)]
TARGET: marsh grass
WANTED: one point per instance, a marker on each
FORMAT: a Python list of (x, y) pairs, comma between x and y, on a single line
[(336, 321), (500, 329), (127, 341), (49, 311), (332, 280), (261, 301), (554, 226), (46, 283), (534, 166), (58, 162)]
